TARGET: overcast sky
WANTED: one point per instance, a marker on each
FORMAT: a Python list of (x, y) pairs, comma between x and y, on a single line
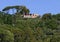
[(35, 6)]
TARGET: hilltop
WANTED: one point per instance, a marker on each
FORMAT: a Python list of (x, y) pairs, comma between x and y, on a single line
[(15, 28)]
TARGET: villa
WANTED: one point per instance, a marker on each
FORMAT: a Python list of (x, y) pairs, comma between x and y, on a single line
[(30, 16)]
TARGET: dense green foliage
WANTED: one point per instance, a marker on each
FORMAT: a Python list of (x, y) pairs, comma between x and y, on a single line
[(14, 28)]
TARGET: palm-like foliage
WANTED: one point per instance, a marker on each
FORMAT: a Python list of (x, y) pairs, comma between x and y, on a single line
[(19, 9)]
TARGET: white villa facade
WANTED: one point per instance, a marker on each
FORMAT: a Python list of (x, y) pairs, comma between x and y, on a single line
[(30, 16)]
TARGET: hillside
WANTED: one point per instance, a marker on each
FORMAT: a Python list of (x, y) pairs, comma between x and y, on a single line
[(14, 28)]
